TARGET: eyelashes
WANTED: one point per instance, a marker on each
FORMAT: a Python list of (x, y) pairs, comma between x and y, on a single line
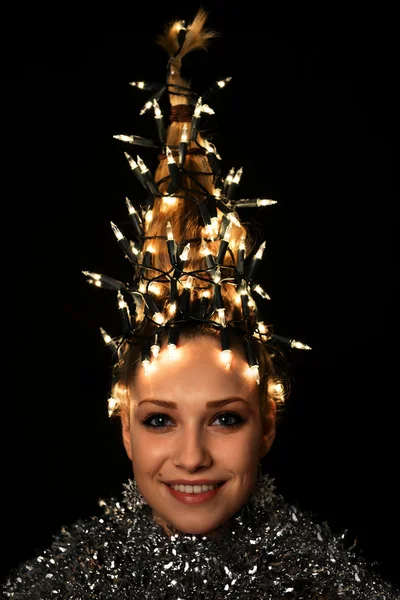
[(238, 420)]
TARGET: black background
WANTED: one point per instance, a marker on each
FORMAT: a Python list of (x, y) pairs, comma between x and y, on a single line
[(310, 115)]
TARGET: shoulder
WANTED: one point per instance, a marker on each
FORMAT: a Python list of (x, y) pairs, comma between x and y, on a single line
[(319, 560), (300, 552), (75, 564)]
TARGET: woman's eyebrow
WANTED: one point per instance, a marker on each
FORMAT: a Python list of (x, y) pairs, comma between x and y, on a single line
[(210, 404)]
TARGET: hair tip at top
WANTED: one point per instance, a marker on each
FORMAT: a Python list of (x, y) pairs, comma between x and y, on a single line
[(197, 36)]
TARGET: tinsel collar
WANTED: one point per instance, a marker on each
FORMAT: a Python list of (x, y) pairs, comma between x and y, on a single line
[(272, 551)]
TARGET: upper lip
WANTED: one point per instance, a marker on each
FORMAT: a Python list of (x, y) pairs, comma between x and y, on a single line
[(193, 482)]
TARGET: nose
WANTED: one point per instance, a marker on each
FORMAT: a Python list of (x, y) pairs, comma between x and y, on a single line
[(192, 451)]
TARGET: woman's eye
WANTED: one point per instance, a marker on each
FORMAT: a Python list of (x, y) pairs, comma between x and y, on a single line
[(227, 420)]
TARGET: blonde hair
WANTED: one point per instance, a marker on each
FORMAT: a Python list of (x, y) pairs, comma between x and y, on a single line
[(197, 182)]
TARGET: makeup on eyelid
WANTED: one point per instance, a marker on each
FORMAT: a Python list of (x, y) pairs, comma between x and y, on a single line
[(239, 420)]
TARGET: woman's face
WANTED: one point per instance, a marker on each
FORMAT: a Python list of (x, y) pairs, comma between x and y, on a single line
[(188, 440)]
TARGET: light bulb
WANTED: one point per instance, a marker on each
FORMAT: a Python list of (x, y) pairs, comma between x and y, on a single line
[(188, 283), (107, 338), (222, 83), (169, 200), (172, 309), (116, 231), (226, 358), (238, 175), (185, 252), (132, 163), (221, 316), (112, 405), (299, 345), (265, 201), (148, 217), (155, 350), (216, 275), (184, 135), (197, 110), (146, 364), (260, 251), (233, 219), (142, 166), (123, 138), (157, 110), (170, 235), (159, 318), (228, 231), (170, 156), (172, 351)]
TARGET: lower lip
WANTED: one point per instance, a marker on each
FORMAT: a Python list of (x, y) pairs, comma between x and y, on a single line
[(195, 498)]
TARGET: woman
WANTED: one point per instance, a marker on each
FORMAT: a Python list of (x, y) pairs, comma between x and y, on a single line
[(198, 384)]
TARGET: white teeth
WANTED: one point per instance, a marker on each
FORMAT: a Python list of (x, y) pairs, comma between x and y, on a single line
[(193, 489)]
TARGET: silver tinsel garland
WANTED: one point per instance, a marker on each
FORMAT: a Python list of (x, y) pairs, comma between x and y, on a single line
[(273, 550)]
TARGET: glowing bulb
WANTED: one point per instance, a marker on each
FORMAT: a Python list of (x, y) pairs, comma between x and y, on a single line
[(228, 231), (256, 373), (221, 316), (222, 83), (238, 175), (209, 231), (148, 217), (233, 219), (188, 283), (172, 351), (134, 249), (156, 288), (172, 309), (215, 225), (216, 275), (121, 302), (116, 231), (107, 338), (262, 328), (142, 166), (204, 250), (157, 110), (170, 156), (184, 135), (123, 138), (146, 364), (257, 288), (206, 294), (265, 202), (185, 252), (159, 318), (170, 235), (131, 161), (207, 109), (226, 358), (299, 345), (139, 84), (211, 147), (197, 110), (112, 405), (146, 107), (229, 177), (155, 350), (260, 251)]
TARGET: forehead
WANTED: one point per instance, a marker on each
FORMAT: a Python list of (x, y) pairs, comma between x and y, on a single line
[(197, 370)]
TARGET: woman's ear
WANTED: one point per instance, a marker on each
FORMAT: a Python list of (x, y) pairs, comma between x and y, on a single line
[(126, 432), (269, 428)]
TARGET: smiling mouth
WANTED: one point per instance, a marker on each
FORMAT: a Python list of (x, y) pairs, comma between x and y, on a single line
[(215, 486)]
